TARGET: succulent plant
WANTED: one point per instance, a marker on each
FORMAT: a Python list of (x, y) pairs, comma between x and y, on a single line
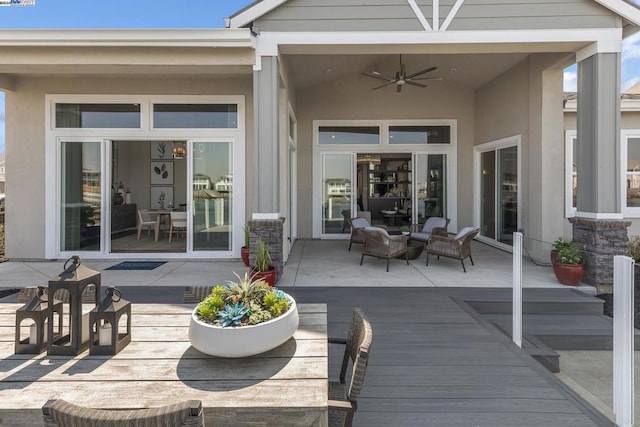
[(246, 290), (259, 316), (232, 315)]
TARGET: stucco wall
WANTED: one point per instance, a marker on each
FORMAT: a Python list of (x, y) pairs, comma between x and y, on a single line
[(351, 98), (25, 142)]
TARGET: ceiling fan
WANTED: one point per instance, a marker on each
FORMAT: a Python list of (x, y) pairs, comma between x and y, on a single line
[(401, 78)]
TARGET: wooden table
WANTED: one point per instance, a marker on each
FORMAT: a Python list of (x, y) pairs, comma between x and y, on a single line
[(159, 213), (286, 386)]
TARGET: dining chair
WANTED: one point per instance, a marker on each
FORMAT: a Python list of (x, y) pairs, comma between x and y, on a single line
[(456, 247), (178, 223), (357, 225), (343, 396), (145, 219), (60, 413)]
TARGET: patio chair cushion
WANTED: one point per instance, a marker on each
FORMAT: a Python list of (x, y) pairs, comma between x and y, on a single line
[(380, 229), (464, 232), (433, 225), (360, 223)]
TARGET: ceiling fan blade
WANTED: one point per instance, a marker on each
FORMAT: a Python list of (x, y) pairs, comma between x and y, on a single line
[(412, 83), (426, 70), (384, 85), (377, 75), (428, 78)]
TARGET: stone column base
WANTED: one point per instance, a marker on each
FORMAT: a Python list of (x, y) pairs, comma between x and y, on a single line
[(600, 240), (271, 231)]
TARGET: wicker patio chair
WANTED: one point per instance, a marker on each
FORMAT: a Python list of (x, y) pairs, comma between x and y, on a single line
[(60, 413), (457, 247), (357, 225), (434, 225), (343, 397), (378, 243)]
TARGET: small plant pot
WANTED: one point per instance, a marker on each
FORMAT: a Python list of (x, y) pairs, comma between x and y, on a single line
[(568, 274), (244, 254), (269, 276)]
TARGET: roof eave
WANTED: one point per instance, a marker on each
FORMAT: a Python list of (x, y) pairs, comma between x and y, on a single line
[(220, 38), (252, 12)]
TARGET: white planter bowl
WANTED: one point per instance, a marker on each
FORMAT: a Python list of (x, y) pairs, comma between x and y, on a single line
[(243, 341)]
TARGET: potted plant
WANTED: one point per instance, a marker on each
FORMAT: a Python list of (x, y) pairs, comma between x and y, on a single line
[(242, 319), (244, 251), (568, 266), (405, 230), (263, 268), (557, 246)]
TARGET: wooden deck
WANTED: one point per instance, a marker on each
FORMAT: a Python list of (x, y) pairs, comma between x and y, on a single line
[(434, 362)]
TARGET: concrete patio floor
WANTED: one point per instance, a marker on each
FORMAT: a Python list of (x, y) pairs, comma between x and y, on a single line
[(311, 263)]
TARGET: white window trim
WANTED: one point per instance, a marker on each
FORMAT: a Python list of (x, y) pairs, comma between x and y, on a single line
[(145, 132), (510, 141), (569, 209), (450, 150)]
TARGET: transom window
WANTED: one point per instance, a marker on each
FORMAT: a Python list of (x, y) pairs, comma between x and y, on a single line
[(419, 135), (194, 116), (97, 116), (345, 135)]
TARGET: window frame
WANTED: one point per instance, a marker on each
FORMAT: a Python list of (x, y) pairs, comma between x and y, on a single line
[(625, 135)]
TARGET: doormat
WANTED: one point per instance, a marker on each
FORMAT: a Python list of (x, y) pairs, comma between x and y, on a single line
[(137, 265)]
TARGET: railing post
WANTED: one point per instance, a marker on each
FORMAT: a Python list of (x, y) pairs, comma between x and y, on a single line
[(623, 340), (516, 327)]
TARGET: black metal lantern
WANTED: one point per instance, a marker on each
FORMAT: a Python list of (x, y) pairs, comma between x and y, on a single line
[(37, 310), (75, 279), (105, 337)]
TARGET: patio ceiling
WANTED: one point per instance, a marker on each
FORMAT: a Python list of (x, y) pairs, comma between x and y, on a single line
[(469, 70)]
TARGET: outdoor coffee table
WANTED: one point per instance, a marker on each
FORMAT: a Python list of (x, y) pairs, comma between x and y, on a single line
[(414, 249), (286, 386)]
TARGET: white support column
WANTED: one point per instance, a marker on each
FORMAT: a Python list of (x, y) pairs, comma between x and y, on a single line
[(623, 345), (516, 328)]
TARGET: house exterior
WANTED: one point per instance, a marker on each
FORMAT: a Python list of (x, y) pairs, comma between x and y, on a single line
[(312, 109)]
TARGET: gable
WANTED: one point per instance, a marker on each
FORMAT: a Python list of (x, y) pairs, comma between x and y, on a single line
[(420, 15)]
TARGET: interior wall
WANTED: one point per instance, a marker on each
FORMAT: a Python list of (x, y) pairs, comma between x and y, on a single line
[(25, 141), (351, 98)]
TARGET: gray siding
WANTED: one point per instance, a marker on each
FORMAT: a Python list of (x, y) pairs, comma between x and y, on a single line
[(397, 15)]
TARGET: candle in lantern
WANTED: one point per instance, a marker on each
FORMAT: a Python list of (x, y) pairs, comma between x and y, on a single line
[(104, 334)]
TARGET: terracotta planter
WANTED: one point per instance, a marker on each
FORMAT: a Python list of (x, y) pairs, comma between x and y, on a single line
[(244, 253), (568, 274), (243, 341), (269, 276)]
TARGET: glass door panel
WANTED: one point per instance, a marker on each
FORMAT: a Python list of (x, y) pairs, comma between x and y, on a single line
[(81, 193), (488, 194), (212, 222), (431, 186), (508, 193), (337, 197)]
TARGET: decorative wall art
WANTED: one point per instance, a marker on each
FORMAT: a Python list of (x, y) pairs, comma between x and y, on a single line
[(161, 150), (161, 173), (161, 197)]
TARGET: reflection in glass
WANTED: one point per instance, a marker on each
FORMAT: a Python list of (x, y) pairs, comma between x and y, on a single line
[(508, 202), (212, 196), (339, 135), (80, 196), (192, 116), (336, 192), (488, 192), (633, 172), (431, 186), (574, 174), (419, 134), (97, 116)]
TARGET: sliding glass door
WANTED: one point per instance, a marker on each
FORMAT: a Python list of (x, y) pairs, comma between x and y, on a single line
[(430, 186), (498, 182), (212, 196), (80, 196), (337, 194)]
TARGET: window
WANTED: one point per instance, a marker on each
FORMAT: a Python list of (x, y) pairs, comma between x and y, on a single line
[(419, 134), (97, 116), (343, 135), (571, 173), (193, 116), (632, 179)]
